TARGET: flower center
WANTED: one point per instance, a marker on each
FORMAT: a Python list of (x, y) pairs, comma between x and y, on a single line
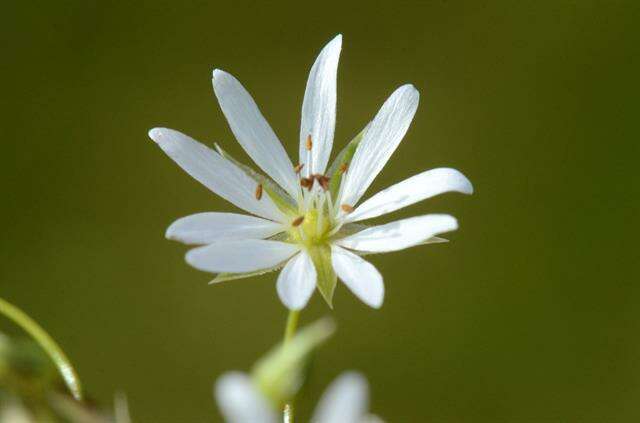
[(311, 229)]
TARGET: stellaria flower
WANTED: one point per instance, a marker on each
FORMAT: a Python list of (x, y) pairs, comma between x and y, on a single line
[(305, 215), (346, 400)]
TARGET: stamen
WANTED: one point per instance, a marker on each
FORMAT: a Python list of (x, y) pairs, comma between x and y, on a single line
[(298, 168), (320, 207), (306, 182), (297, 221), (323, 181), (346, 208), (259, 192), (303, 235), (309, 142), (327, 194), (343, 168), (310, 194)]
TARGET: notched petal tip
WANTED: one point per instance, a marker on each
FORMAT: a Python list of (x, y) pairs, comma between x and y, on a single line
[(217, 73), (190, 257), (458, 181), (410, 91), (170, 233), (378, 303), (336, 42), (156, 134), (450, 223), (468, 188)]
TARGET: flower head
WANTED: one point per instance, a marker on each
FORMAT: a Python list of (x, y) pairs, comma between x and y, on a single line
[(346, 400), (306, 216)]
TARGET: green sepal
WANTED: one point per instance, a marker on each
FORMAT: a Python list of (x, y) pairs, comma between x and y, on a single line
[(326, 276), (280, 198), (343, 158), (279, 374)]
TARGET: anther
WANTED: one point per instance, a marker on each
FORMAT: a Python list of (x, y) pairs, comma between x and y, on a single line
[(306, 182), (259, 192), (346, 208), (298, 168), (323, 181), (297, 221), (343, 168), (309, 142)]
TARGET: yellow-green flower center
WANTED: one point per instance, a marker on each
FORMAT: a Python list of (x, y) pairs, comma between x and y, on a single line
[(313, 230)]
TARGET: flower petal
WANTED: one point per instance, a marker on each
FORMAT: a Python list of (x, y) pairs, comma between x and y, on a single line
[(346, 400), (240, 255), (379, 142), (297, 281), (410, 191), (215, 172), (240, 401), (319, 108), (207, 228), (360, 276), (400, 234), (253, 132)]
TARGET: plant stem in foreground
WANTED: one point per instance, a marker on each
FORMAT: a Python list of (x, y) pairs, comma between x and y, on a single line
[(289, 332), (47, 343)]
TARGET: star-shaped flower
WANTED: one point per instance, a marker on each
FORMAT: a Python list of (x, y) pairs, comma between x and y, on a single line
[(305, 215), (346, 400)]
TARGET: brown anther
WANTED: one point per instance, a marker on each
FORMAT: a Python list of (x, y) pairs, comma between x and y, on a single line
[(343, 168), (259, 192), (323, 181), (297, 221), (309, 142), (346, 208), (306, 182), (298, 168)]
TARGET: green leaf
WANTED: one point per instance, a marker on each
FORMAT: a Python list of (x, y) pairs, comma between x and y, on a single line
[(327, 279), (279, 373), (343, 158), (281, 199)]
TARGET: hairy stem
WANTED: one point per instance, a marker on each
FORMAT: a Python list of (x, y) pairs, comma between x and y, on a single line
[(47, 343), (289, 332)]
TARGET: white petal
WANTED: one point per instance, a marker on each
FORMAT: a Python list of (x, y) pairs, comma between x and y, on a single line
[(319, 107), (345, 401), (410, 191), (400, 234), (359, 275), (240, 401), (253, 132), (379, 142), (240, 255), (215, 172), (207, 228), (297, 281)]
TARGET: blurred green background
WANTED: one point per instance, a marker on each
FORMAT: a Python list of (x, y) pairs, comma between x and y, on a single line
[(530, 314)]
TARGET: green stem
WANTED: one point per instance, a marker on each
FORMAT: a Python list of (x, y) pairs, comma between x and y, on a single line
[(47, 343), (289, 332), (292, 325)]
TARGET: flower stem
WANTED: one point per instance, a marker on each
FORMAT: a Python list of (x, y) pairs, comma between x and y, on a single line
[(292, 325), (47, 343), (289, 332)]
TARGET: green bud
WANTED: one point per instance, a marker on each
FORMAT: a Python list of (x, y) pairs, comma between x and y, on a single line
[(279, 374)]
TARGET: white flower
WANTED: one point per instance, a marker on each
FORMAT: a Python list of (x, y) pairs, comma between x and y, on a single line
[(346, 400), (305, 214)]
